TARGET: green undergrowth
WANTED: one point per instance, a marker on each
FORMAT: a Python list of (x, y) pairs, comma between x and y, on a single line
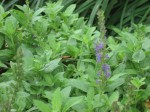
[(48, 63)]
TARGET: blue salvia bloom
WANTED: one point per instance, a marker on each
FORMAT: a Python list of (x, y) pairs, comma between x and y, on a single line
[(107, 74), (99, 47), (106, 69), (98, 56)]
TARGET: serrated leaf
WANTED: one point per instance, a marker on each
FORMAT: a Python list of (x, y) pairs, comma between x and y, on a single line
[(6, 54), (79, 84), (36, 13), (21, 17), (7, 84), (10, 25), (52, 65), (70, 9), (137, 82), (114, 97), (56, 101), (138, 56), (27, 57), (42, 106), (21, 100), (73, 50), (71, 102), (48, 79), (146, 44), (66, 92), (118, 82), (90, 97)]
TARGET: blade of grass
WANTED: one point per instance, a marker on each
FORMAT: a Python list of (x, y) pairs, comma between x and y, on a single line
[(94, 11), (10, 4), (33, 4), (2, 2), (67, 2), (123, 13), (87, 7), (42, 2), (142, 8), (145, 15), (83, 5), (37, 4), (104, 5), (109, 8)]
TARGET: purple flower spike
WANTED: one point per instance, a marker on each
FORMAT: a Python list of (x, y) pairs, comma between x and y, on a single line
[(107, 74), (98, 57), (106, 67), (99, 47)]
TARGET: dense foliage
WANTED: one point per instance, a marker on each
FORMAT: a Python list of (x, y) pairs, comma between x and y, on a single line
[(51, 61), (119, 13)]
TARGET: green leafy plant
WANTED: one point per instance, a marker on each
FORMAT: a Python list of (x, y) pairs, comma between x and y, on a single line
[(48, 63), (44, 60), (130, 60)]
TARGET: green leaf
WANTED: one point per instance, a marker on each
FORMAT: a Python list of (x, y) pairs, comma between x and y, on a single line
[(146, 44), (1, 10), (70, 9), (137, 82), (114, 97), (40, 27), (10, 25), (146, 92), (66, 92), (6, 54), (48, 79), (71, 102), (56, 101), (27, 57), (113, 60), (52, 65), (116, 76), (32, 109), (79, 84), (113, 85), (48, 95), (39, 11), (144, 64), (42, 106), (7, 84), (3, 65), (21, 100), (90, 98), (1, 41), (73, 50), (21, 17), (138, 56)]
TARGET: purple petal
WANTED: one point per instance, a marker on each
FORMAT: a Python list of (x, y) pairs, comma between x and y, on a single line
[(98, 56)]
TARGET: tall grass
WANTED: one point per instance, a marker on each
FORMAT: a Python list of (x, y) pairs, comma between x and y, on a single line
[(117, 12)]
